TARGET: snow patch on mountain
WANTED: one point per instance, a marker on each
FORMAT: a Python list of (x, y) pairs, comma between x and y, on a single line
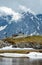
[(32, 17), (3, 27)]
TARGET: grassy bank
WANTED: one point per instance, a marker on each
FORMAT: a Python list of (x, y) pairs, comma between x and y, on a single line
[(33, 39), (19, 51)]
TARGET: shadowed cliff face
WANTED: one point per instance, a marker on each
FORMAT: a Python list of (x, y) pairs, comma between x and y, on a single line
[(27, 45)]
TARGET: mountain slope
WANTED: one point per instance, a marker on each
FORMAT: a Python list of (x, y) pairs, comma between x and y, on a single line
[(40, 19)]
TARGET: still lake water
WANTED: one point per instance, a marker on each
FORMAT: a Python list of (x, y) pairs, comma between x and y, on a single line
[(20, 61)]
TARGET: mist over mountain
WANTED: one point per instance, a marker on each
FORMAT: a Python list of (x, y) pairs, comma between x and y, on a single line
[(25, 21)]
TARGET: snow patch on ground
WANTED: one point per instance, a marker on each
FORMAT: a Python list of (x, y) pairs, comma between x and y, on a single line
[(10, 48), (32, 55), (35, 55)]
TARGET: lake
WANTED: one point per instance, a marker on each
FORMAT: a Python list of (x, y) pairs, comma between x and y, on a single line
[(20, 61)]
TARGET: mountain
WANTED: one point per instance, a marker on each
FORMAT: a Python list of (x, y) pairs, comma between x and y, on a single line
[(40, 19), (12, 22), (7, 17)]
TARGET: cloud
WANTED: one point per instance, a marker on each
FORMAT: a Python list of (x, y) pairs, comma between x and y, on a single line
[(4, 11), (25, 9), (16, 16)]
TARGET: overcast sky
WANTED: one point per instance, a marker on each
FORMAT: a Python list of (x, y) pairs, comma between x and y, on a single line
[(35, 5)]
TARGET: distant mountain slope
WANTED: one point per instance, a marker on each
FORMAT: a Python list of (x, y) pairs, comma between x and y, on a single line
[(40, 19)]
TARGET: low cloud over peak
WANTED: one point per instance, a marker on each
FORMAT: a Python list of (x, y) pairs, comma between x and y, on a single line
[(25, 9), (4, 11)]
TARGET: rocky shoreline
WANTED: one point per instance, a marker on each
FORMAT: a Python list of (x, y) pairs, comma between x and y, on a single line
[(21, 45)]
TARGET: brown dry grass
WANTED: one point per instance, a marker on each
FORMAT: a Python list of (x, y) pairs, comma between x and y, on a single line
[(19, 51), (33, 39)]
